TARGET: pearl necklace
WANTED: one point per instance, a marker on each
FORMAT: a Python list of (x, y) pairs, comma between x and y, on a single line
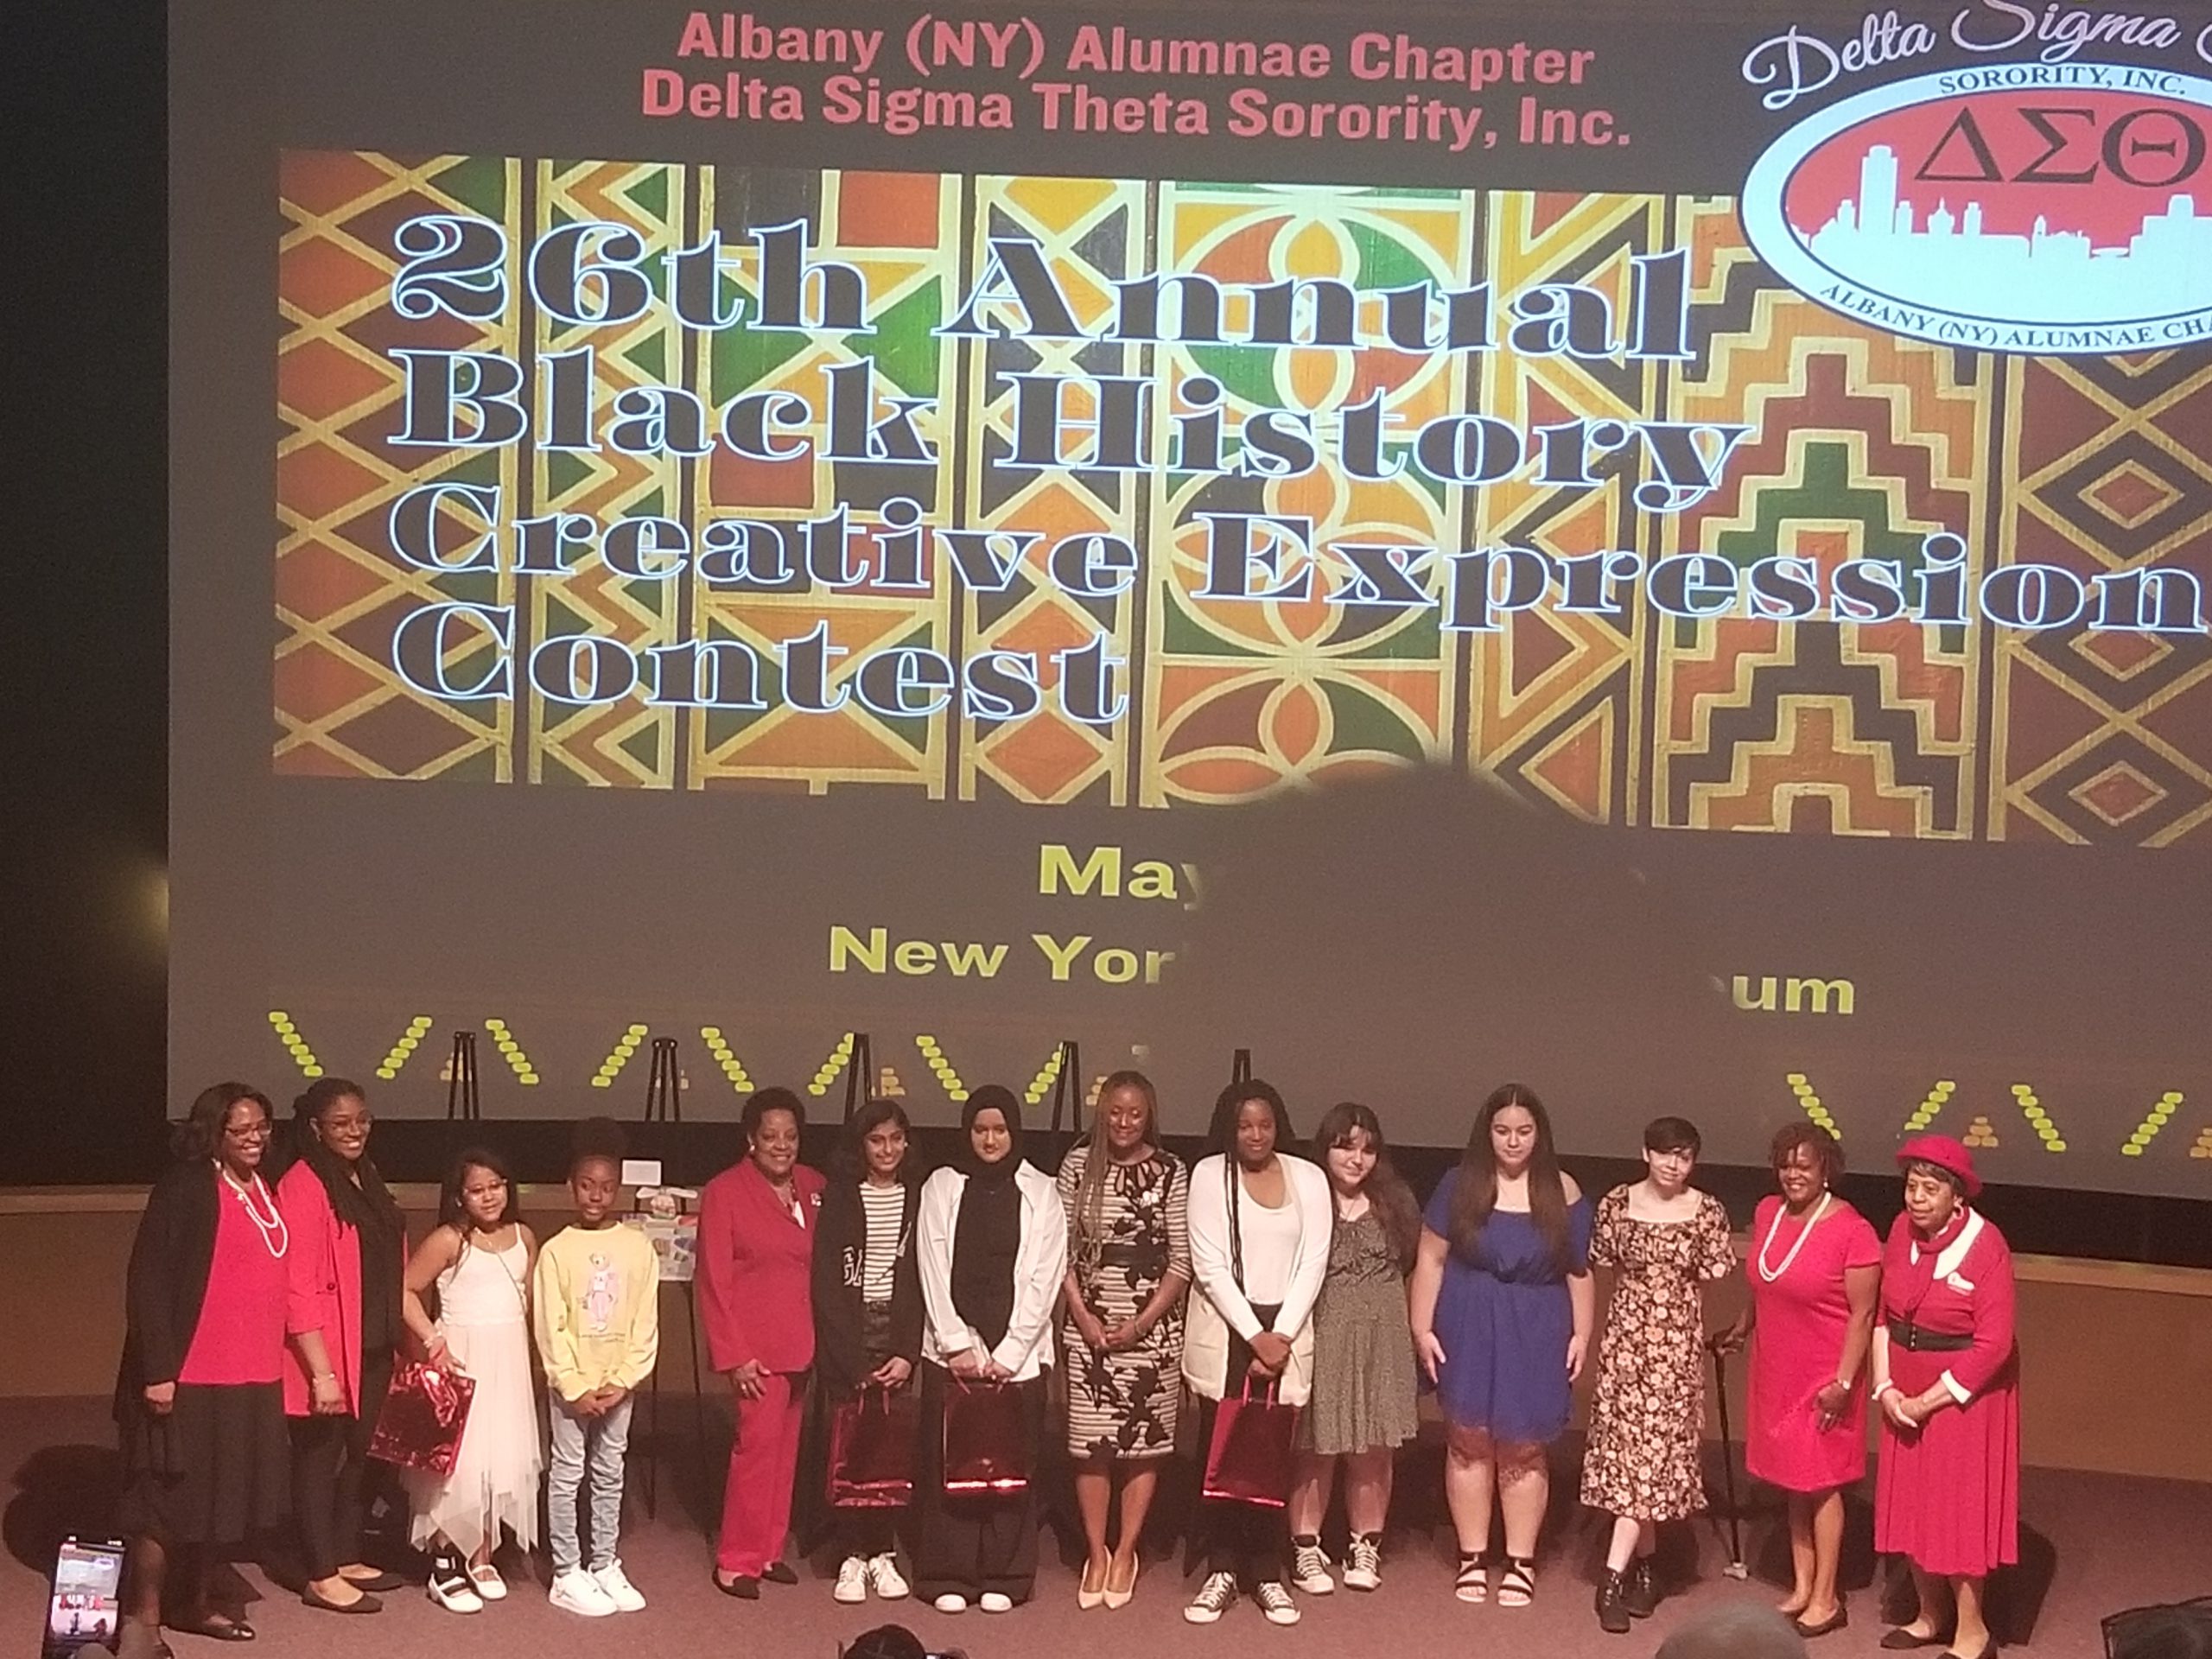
[(276, 1238), (1774, 1227)]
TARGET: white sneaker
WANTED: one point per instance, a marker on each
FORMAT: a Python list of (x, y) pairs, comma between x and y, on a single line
[(883, 1579), (1216, 1597), (577, 1592), (1309, 1568), (852, 1581), (449, 1587), (615, 1585), (993, 1602), (1363, 1562), (948, 1603), (1275, 1601), (489, 1585)]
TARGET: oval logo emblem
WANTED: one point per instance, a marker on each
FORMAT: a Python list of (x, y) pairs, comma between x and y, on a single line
[(2039, 208)]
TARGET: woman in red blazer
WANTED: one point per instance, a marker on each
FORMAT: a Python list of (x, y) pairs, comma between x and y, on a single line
[(757, 1224), (343, 1317)]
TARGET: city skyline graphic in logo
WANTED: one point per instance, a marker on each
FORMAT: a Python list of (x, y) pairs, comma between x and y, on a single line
[(2049, 218)]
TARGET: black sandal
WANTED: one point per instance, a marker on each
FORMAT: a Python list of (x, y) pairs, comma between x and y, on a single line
[(216, 1626), (1517, 1586), (1472, 1585)]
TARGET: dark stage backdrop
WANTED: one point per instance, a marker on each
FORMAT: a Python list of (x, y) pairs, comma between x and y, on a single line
[(1657, 551)]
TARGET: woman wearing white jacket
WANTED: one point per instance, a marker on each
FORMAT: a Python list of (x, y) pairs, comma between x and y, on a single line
[(1260, 1219), (991, 1243)]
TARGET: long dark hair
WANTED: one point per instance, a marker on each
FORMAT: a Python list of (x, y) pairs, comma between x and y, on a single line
[(1087, 1222), (452, 1208), (1385, 1188), (1475, 1193), (199, 1133), (852, 1145), (1221, 1134), (357, 1192)]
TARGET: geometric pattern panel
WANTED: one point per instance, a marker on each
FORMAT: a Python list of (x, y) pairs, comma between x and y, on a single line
[(1841, 442)]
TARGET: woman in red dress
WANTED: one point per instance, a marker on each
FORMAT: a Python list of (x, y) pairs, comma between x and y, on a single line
[(1815, 1270), (1946, 1378)]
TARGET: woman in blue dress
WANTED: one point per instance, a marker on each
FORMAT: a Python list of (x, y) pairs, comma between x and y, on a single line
[(1502, 1308)]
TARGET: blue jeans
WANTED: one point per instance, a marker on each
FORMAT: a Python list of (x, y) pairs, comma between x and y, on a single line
[(581, 1444)]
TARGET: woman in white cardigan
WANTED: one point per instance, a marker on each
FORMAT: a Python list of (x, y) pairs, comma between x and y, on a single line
[(991, 1243), (1260, 1218)]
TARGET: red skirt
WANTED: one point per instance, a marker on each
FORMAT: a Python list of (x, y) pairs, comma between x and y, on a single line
[(1947, 1496)]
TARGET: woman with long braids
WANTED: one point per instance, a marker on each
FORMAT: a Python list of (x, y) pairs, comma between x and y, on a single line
[(1502, 1307), (198, 1407), (1260, 1219), (1128, 1265), (345, 1315)]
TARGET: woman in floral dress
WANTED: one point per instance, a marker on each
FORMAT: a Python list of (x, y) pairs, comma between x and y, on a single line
[(1665, 1240), (1128, 1265)]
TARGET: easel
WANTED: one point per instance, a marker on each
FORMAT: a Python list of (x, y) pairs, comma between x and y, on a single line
[(665, 1104), (860, 1075), (462, 1101)]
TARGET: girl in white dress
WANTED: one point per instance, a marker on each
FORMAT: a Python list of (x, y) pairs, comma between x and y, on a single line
[(479, 1258)]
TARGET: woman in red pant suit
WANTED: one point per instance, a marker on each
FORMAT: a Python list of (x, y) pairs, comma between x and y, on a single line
[(1946, 1380), (757, 1222)]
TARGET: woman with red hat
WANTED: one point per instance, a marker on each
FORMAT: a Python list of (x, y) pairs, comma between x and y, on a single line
[(1947, 1381)]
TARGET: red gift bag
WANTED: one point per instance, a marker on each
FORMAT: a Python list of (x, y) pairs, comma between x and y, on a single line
[(871, 1450), (422, 1417), (1250, 1458), (986, 1438)]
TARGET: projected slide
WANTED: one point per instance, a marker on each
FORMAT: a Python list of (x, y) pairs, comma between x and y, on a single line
[(1399, 544)]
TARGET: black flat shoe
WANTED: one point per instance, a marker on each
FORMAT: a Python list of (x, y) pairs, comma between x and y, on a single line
[(1988, 1650), (367, 1603), (381, 1583), (1827, 1626), (217, 1627), (743, 1587), (1901, 1640), (780, 1573)]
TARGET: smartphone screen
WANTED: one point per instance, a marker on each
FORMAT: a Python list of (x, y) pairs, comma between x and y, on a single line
[(87, 1599)]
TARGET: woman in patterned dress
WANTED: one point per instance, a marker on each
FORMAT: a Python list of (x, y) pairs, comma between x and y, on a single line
[(1361, 1408), (1665, 1240), (1128, 1265)]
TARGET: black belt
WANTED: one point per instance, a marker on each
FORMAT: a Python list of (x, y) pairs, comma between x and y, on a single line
[(1918, 1339)]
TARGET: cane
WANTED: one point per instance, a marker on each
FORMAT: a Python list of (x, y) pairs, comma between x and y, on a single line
[(1735, 1569)]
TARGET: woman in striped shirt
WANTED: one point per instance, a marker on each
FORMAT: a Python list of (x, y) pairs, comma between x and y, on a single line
[(867, 1310)]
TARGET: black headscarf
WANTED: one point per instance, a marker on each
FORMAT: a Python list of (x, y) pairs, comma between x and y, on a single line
[(991, 1096)]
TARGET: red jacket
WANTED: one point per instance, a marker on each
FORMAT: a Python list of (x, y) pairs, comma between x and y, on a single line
[(755, 1260), (322, 1272)]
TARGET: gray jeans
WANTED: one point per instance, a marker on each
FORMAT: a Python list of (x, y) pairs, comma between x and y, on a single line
[(596, 1444)]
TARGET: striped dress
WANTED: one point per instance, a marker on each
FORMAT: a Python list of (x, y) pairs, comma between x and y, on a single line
[(1123, 1404)]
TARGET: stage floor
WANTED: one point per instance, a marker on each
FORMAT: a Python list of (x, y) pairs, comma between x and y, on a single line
[(2118, 1542)]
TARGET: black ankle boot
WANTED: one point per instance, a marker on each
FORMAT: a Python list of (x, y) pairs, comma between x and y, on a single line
[(1640, 1588), (1613, 1606)]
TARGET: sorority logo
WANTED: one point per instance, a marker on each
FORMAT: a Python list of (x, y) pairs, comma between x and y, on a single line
[(2043, 207)]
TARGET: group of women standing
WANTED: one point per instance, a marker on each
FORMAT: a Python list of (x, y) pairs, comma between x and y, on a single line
[(263, 1322), (1316, 1280)]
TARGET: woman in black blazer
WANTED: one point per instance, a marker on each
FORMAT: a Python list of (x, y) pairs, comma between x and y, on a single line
[(868, 1311), (198, 1406)]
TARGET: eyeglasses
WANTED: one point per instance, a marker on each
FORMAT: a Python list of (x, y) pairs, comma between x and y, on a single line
[(257, 1130), (345, 1125)]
